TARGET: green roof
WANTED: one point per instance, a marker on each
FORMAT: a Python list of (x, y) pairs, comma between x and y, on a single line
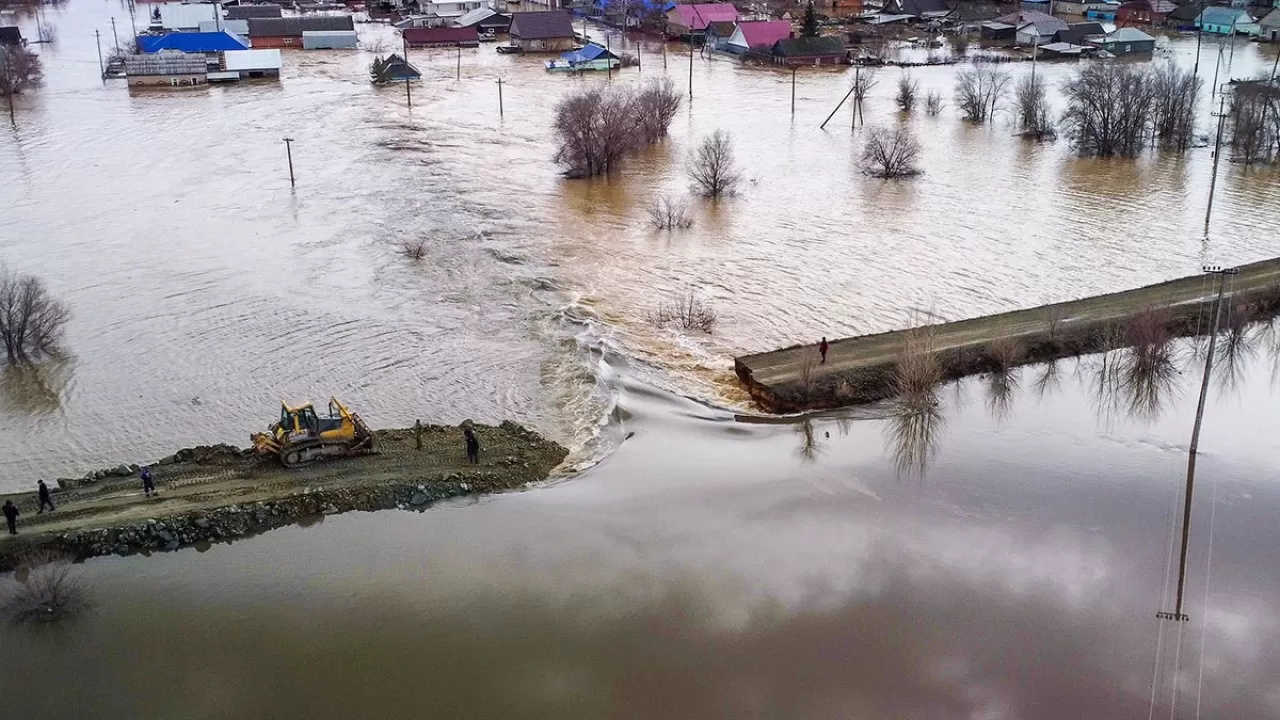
[(809, 46)]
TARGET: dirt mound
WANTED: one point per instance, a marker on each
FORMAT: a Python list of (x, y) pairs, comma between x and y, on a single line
[(221, 454)]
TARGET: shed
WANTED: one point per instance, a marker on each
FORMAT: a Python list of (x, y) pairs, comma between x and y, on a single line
[(545, 31), (591, 57), (1077, 33), (392, 69), (1270, 25), (919, 8), (485, 20), (192, 42), (1227, 21), (441, 37), (810, 51), (285, 32), (757, 34), (244, 12), (692, 19), (330, 40), (11, 35), (170, 68), (182, 16), (235, 27), (1126, 41), (1066, 50), (993, 30), (252, 63)]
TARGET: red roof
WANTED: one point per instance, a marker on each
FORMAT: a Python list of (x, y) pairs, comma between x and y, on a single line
[(696, 16), (765, 32), (430, 35)]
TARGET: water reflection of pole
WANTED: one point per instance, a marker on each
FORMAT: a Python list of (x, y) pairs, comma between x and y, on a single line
[(408, 94), (499, 97), (793, 92), (1217, 153), (1222, 274), (459, 62), (691, 64), (288, 148)]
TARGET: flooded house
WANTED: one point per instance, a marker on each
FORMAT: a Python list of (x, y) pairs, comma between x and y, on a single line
[(810, 51), (1143, 13), (181, 17), (759, 35), (1270, 25), (485, 20), (445, 13), (288, 32), (1126, 41), (196, 43), (542, 31), (392, 69), (437, 37), (691, 21), (261, 64), (245, 12), (167, 68), (1227, 21), (11, 35)]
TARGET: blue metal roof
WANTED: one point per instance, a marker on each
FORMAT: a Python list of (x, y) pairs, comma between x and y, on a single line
[(190, 42), (587, 54)]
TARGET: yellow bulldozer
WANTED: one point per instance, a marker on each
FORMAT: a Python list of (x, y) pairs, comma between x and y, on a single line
[(301, 437)]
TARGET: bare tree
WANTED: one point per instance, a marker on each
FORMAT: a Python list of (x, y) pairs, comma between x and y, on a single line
[(19, 71), (960, 44), (656, 106), (1255, 123), (1109, 106), (863, 80), (31, 322), (669, 213), (1176, 91), (414, 249), (46, 590), (980, 90), (908, 89), (687, 311), (712, 168), (890, 153), (598, 127), (1032, 106), (933, 102)]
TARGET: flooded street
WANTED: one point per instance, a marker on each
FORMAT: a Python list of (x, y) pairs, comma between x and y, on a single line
[(723, 570), (1005, 561), (204, 290)]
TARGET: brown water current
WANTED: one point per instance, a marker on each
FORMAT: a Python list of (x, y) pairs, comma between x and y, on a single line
[(204, 289)]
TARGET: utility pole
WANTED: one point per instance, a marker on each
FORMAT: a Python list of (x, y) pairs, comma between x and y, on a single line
[(833, 112), (114, 35), (459, 62), (857, 97), (288, 148), (690, 64), (793, 92), (608, 56), (1194, 449), (1217, 153), (408, 94), (1195, 70), (8, 83), (102, 71), (500, 113)]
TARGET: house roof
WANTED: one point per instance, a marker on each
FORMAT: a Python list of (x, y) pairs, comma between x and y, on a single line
[(591, 52), (1271, 19), (286, 26), (1129, 35), (695, 16), (395, 67), (176, 16), (809, 47), (764, 32), (192, 42), (252, 59), (170, 62), (475, 17), (644, 6), (722, 28), (1077, 32), (10, 36), (922, 7), (544, 25), (1224, 16), (415, 36), (1158, 7), (244, 12), (1044, 23), (1187, 12)]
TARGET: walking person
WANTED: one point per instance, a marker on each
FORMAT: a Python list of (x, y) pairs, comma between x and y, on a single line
[(45, 499), (148, 485), (473, 445), (417, 434), (11, 516), (823, 347)]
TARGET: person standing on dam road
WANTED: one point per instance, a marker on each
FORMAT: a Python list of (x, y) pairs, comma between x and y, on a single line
[(11, 516), (473, 445), (823, 347), (44, 498)]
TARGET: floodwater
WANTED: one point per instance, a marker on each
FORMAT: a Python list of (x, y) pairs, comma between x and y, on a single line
[(205, 289), (710, 569), (1004, 560)]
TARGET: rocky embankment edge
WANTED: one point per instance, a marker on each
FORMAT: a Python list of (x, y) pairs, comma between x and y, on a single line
[(195, 528)]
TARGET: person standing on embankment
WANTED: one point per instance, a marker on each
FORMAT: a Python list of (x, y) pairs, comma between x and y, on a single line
[(11, 516), (473, 445)]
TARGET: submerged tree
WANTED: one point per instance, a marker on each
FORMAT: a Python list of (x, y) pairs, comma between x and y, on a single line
[(20, 70), (890, 153), (1030, 102), (1255, 122), (908, 89), (979, 92), (712, 166), (31, 322), (1109, 107), (1174, 111), (597, 127)]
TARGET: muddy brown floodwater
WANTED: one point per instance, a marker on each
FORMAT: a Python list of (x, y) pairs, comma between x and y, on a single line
[(1003, 559)]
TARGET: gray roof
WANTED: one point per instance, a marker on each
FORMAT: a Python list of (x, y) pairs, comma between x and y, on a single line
[(1129, 35), (922, 7), (284, 26), (545, 25), (1271, 19), (1077, 32), (1044, 23), (10, 35), (809, 46), (167, 62), (244, 12)]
